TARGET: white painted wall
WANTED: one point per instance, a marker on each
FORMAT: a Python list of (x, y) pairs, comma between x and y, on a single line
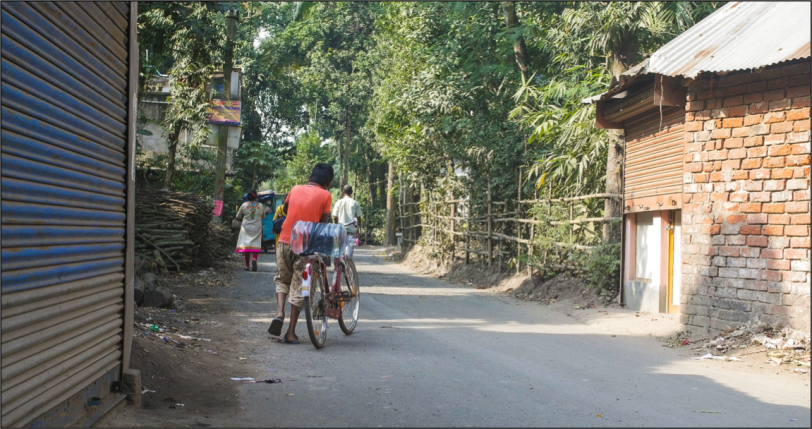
[(647, 255)]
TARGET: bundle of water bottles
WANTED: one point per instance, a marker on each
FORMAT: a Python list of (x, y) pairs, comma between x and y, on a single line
[(307, 238)]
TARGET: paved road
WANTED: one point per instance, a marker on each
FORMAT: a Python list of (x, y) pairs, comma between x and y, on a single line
[(429, 353)]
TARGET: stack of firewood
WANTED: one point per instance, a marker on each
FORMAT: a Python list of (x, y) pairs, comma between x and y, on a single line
[(174, 231)]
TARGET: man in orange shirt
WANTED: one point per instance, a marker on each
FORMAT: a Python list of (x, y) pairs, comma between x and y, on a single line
[(309, 203)]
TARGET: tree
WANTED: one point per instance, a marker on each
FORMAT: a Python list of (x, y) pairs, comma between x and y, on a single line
[(257, 161)]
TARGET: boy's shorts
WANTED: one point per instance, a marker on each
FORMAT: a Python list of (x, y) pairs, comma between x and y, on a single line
[(288, 279)]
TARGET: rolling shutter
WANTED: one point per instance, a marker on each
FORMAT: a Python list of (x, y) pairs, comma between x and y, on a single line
[(653, 161), (64, 133)]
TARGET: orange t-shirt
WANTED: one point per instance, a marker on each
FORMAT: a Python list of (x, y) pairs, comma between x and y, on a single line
[(307, 203)]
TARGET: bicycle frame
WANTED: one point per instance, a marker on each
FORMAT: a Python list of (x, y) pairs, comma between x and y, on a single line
[(334, 298)]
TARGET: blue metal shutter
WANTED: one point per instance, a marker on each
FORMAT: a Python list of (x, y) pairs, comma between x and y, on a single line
[(64, 134)]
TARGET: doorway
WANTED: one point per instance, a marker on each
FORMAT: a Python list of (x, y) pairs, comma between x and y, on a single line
[(674, 261)]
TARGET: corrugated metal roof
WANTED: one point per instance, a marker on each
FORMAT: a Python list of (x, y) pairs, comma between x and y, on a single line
[(738, 36)]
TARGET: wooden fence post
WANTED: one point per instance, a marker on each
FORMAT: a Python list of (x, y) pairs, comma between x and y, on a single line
[(572, 204), (490, 237), (453, 232)]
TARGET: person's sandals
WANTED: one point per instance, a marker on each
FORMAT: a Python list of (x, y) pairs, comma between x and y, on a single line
[(276, 327), (254, 265), (246, 269), (284, 340)]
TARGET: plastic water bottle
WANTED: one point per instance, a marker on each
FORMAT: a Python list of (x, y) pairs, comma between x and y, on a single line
[(349, 244), (324, 238)]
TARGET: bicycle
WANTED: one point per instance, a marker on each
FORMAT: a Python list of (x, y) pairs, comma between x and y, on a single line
[(341, 302)]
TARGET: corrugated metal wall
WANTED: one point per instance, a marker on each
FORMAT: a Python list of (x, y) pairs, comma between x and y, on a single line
[(64, 133), (653, 162)]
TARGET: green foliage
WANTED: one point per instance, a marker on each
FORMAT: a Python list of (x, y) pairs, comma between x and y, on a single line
[(309, 152), (601, 269), (255, 163)]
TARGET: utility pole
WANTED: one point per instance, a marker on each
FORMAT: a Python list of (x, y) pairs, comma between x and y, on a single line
[(222, 137)]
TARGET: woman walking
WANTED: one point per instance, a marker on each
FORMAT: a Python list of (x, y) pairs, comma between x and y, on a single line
[(250, 242)]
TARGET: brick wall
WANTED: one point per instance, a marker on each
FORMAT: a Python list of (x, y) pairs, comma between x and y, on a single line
[(746, 216)]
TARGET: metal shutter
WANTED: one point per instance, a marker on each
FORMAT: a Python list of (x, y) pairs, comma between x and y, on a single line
[(64, 134), (653, 161)]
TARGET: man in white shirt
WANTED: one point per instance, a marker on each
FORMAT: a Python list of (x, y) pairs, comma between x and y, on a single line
[(346, 210)]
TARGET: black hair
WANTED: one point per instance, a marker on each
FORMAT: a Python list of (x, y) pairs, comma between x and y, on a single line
[(252, 195), (322, 174), (348, 190)]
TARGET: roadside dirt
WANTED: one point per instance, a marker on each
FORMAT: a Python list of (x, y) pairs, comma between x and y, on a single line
[(192, 365)]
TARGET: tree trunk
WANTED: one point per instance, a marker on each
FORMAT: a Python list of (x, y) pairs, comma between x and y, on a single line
[(622, 59), (222, 140), (173, 148), (370, 179), (254, 180), (391, 209), (382, 170), (345, 153), (519, 47)]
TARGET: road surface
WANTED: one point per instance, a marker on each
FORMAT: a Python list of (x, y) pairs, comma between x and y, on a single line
[(430, 353)]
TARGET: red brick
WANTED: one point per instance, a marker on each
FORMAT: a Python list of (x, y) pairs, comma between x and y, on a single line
[(737, 154), (732, 164), (753, 98), (799, 126), (737, 100), (733, 143), (775, 94), (693, 126), (720, 133), (719, 196), (752, 120), (798, 114), (757, 152), (757, 241), (752, 186), (738, 111), (760, 197), (772, 253), (732, 122), (781, 127), (717, 176), (800, 242), (797, 207), (701, 178), (740, 175), (780, 150), (751, 208), (797, 230), (738, 218), (777, 264), (760, 174), (798, 80), (799, 102), (753, 141), (800, 68), (800, 195), (773, 229), (693, 167), (774, 162), (773, 208), (798, 91), (779, 83), (761, 107), (759, 86), (750, 230), (774, 185), (800, 149), (796, 160), (729, 251), (802, 219), (775, 139), (693, 106), (737, 90), (801, 172), (780, 105), (782, 173), (794, 253), (771, 276), (773, 117), (779, 219)]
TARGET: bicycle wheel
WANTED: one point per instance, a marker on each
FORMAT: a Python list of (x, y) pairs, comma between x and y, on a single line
[(349, 308), (314, 309)]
